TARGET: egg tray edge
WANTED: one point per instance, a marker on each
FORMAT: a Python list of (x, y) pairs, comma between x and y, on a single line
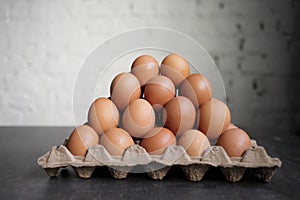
[(157, 166)]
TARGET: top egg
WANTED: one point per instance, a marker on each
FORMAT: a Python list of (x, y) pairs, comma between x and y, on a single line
[(145, 68), (175, 68)]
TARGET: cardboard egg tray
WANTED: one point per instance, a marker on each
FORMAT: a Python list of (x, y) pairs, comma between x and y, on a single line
[(157, 166)]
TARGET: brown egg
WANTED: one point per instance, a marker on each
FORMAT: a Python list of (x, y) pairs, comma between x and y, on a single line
[(179, 115), (194, 142), (214, 118), (175, 68), (157, 140), (103, 115), (138, 118), (235, 142), (145, 68), (82, 138), (231, 126), (116, 140), (159, 90), (124, 89), (197, 88)]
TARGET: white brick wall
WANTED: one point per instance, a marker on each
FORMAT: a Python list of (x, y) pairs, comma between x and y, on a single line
[(43, 44)]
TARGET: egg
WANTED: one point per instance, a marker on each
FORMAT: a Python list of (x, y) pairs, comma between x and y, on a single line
[(197, 88), (194, 142), (213, 118), (231, 126), (179, 115), (124, 89), (81, 139), (175, 68), (159, 91), (145, 68), (235, 142), (157, 140), (116, 140), (138, 118), (103, 115)]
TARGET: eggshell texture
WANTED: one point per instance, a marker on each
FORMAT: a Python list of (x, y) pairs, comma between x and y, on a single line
[(175, 68), (159, 90), (179, 115), (145, 68), (116, 140), (138, 118), (82, 138), (214, 118), (124, 89), (231, 126), (157, 140), (235, 142), (194, 142), (197, 88), (103, 115)]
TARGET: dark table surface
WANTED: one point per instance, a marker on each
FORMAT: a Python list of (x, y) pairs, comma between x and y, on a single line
[(22, 178)]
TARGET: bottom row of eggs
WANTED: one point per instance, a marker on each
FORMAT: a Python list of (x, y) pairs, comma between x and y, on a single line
[(234, 141)]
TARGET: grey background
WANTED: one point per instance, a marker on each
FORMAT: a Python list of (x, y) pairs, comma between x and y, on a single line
[(254, 43)]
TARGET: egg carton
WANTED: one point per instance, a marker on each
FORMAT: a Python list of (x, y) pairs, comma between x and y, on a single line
[(157, 166)]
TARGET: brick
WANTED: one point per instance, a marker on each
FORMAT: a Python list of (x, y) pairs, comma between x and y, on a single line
[(20, 10), (4, 12), (3, 39), (278, 121), (228, 63), (256, 64), (265, 44)]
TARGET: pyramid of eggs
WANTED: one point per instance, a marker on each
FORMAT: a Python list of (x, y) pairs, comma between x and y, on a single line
[(155, 106)]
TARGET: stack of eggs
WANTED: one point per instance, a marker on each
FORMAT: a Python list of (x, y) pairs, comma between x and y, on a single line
[(156, 106)]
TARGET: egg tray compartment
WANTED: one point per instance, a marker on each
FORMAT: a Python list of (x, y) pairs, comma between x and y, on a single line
[(157, 166)]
